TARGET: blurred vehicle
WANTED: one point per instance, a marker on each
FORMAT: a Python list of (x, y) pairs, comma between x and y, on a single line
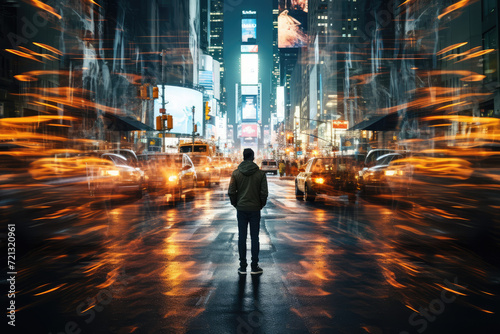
[(448, 194), (198, 147), (206, 171), (130, 155), (327, 176), (44, 193), (370, 161), (168, 174), (269, 166), (116, 175), (372, 155), (225, 164), (373, 180)]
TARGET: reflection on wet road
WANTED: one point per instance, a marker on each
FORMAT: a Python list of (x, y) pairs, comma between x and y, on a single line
[(329, 267)]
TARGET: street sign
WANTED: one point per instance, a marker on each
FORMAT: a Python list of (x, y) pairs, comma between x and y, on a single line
[(299, 152), (340, 124)]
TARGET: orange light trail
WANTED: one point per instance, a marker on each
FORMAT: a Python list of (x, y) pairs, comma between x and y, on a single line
[(21, 77), (48, 47), (50, 290), (48, 105), (451, 290), (46, 56), (477, 54), (455, 6), (95, 3), (34, 119), (465, 53), (451, 47), (46, 8), (23, 54)]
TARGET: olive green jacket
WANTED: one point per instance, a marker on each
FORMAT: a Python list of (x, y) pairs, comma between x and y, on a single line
[(248, 187)]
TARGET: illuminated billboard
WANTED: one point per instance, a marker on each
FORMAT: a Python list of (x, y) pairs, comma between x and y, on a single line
[(249, 130), (292, 23), (280, 103), (249, 69), (249, 48), (340, 124), (248, 30), (249, 107), (180, 103)]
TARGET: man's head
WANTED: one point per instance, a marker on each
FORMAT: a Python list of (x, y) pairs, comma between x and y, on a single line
[(248, 154)]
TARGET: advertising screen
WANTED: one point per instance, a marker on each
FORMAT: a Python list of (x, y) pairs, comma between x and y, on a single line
[(250, 90), (206, 80), (249, 107), (249, 130), (180, 103), (292, 23), (248, 30), (249, 48), (216, 74), (341, 124), (249, 69), (280, 103)]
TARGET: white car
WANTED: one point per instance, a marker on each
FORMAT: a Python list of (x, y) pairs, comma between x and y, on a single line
[(269, 166)]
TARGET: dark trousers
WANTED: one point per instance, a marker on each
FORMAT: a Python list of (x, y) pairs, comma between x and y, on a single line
[(244, 218)]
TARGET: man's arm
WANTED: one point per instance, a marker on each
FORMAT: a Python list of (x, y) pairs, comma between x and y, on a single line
[(232, 190), (263, 191)]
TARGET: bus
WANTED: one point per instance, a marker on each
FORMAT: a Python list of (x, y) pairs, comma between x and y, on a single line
[(197, 148)]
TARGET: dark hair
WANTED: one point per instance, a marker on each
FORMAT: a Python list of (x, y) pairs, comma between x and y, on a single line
[(248, 154)]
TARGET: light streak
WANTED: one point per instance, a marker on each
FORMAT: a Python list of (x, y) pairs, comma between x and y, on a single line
[(45, 7), (48, 47)]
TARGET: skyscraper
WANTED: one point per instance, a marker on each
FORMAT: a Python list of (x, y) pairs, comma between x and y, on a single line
[(216, 45)]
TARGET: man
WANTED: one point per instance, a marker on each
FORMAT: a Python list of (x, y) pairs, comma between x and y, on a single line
[(248, 194)]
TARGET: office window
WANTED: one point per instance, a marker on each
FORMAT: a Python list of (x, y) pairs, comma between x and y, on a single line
[(490, 65), (489, 7)]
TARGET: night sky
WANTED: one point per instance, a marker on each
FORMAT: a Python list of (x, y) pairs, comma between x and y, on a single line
[(232, 42)]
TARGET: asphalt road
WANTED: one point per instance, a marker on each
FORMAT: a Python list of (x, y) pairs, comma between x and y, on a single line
[(329, 267)]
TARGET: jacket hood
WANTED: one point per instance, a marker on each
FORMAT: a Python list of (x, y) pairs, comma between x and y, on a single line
[(248, 167)]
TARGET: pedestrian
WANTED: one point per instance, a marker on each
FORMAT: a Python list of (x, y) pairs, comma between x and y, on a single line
[(295, 168), (248, 194), (281, 167), (288, 170)]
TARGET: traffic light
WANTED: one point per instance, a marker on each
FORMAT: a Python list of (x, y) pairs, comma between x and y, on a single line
[(195, 128), (159, 123), (289, 138), (207, 111), (155, 92), (170, 122)]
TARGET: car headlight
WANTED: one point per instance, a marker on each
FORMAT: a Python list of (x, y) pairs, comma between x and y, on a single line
[(319, 180), (112, 172), (390, 172), (172, 178)]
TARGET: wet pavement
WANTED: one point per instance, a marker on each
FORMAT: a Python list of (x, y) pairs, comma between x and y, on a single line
[(329, 267)]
